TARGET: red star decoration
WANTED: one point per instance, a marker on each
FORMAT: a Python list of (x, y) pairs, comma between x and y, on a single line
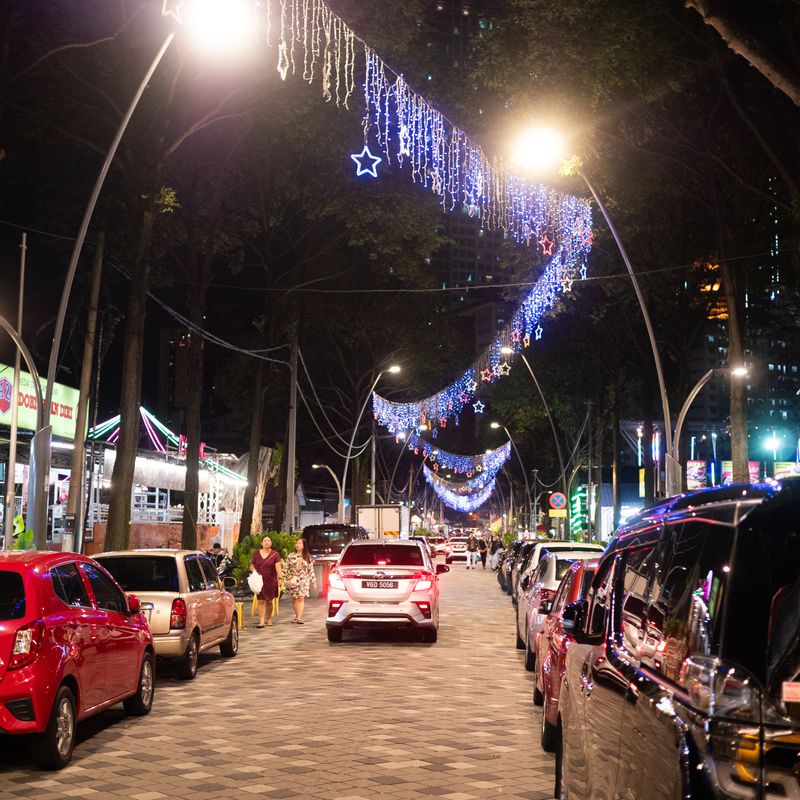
[(486, 375), (435, 467), (442, 422), (547, 245), (516, 335), (587, 236), (416, 451)]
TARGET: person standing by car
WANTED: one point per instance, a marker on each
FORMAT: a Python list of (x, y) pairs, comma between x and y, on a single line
[(472, 552), (267, 563), (299, 574), (494, 548), (483, 549)]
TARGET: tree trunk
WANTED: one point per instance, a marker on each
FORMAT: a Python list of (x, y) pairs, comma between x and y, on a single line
[(597, 466), (280, 494), (245, 524), (749, 48), (194, 403), (738, 389), (119, 510), (647, 460), (615, 466)]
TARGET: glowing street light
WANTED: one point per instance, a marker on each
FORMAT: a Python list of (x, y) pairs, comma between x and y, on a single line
[(539, 149)]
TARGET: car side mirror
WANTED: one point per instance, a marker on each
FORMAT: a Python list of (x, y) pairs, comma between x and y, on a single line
[(546, 606), (570, 616), (525, 582), (229, 583), (134, 605), (442, 568)]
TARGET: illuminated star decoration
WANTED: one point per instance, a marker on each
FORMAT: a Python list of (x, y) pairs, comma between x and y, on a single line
[(547, 245), (505, 368), (538, 332), (526, 341), (363, 156), (172, 8), (473, 387), (516, 336), (478, 407), (486, 375)]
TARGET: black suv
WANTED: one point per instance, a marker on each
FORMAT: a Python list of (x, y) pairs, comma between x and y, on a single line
[(326, 542), (682, 681)]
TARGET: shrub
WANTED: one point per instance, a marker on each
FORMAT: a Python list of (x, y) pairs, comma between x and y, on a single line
[(282, 543)]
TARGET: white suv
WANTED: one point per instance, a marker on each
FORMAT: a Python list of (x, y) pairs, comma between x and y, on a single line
[(384, 584), (456, 549)]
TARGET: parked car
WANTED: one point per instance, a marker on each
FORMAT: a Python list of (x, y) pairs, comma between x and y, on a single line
[(183, 599), (425, 542), (552, 642), (519, 565), (387, 584), (682, 680), (326, 542), (538, 587), (456, 549), (529, 561), (71, 645), (504, 573), (439, 545)]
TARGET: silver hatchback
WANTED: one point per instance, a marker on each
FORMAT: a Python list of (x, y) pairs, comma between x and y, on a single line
[(384, 584)]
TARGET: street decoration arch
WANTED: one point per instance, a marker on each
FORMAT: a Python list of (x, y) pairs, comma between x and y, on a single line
[(451, 495)]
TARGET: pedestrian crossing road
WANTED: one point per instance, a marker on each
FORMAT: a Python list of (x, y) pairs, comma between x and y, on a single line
[(292, 716)]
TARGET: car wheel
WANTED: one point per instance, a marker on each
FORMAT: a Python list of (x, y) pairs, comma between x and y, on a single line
[(230, 647), (139, 704), (530, 660), (549, 735), (560, 789), (53, 748), (334, 635), (430, 635), (187, 668), (520, 643)]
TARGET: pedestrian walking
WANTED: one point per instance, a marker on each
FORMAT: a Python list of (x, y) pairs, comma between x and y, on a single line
[(495, 548), (267, 563), (299, 577), (472, 552), (483, 550)]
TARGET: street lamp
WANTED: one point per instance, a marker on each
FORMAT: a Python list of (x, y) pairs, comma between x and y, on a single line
[(497, 425), (393, 370), (340, 508), (733, 372), (201, 16), (544, 153), (507, 351)]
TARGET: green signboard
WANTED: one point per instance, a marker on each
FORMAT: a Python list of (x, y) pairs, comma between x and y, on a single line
[(63, 409), (578, 516)]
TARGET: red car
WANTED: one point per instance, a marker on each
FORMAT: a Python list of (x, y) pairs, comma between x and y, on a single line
[(71, 644), (552, 641)]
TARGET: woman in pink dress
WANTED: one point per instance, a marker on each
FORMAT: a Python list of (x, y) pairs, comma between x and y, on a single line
[(267, 563)]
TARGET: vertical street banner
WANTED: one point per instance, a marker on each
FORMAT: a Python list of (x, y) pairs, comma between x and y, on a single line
[(696, 475), (727, 472), (63, 409)]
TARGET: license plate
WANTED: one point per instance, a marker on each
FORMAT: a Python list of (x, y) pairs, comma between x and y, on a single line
[(379, 584)]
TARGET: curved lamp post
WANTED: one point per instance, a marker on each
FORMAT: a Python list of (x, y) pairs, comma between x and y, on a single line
[(339, 489), (394, 369), (522, 467)]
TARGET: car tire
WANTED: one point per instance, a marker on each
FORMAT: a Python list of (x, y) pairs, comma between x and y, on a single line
[(53, 748), (430, 635), (230, 647), (187, 668), (549, 737), (560, 790), (139, 704), (538, 697), (520, 642), (334, 635), (530, 660)]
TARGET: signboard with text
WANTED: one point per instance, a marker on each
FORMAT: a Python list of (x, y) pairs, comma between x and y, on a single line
[(727, 472), (696, 475), (63, 409), (785, 469)]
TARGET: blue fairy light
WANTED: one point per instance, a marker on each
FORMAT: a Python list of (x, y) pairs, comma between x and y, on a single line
[(364, 156)]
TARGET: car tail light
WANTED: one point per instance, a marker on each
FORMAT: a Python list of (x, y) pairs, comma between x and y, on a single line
[(546, 594), (425, 608), (335, 581), (26, 645), (177, 616), (334, 606), (425, 582)]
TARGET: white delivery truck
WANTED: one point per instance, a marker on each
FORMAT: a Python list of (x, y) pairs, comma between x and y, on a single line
[(384, 521)]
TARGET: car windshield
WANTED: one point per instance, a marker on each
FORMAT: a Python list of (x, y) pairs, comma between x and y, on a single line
[(762, 613), (322, 539), (379, 555), (143, 573), (12, 596)]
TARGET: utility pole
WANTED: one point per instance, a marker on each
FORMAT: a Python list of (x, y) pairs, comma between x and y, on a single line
[(589, 477), (410, 490), (8, 516), (372, 467), (535, 503), (290, 450), (75, 508)]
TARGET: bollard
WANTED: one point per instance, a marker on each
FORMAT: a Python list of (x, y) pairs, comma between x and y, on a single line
[(240, 614)]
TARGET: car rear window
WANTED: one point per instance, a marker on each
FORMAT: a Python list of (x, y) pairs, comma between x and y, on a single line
[(143, 573), (331, 539), (12, 596), (562, 567), (382, 555)]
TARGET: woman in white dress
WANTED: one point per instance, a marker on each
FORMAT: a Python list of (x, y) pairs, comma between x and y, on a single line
[(299, 577)]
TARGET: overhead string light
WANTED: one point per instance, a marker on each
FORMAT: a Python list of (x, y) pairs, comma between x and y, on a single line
[(485, 463), (450, 496), (463, 487), (407, 130)]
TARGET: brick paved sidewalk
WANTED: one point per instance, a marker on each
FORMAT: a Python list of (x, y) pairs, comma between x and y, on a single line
[(295, 717)]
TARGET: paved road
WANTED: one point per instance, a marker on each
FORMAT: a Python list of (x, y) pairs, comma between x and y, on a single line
[(293, 716)]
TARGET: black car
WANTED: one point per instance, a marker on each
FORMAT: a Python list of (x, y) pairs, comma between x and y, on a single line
[(326, 542), (504, 573), (684, 677)]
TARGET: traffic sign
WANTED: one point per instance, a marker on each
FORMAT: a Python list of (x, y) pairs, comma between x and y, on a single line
[(558, 500), (557, 512)]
